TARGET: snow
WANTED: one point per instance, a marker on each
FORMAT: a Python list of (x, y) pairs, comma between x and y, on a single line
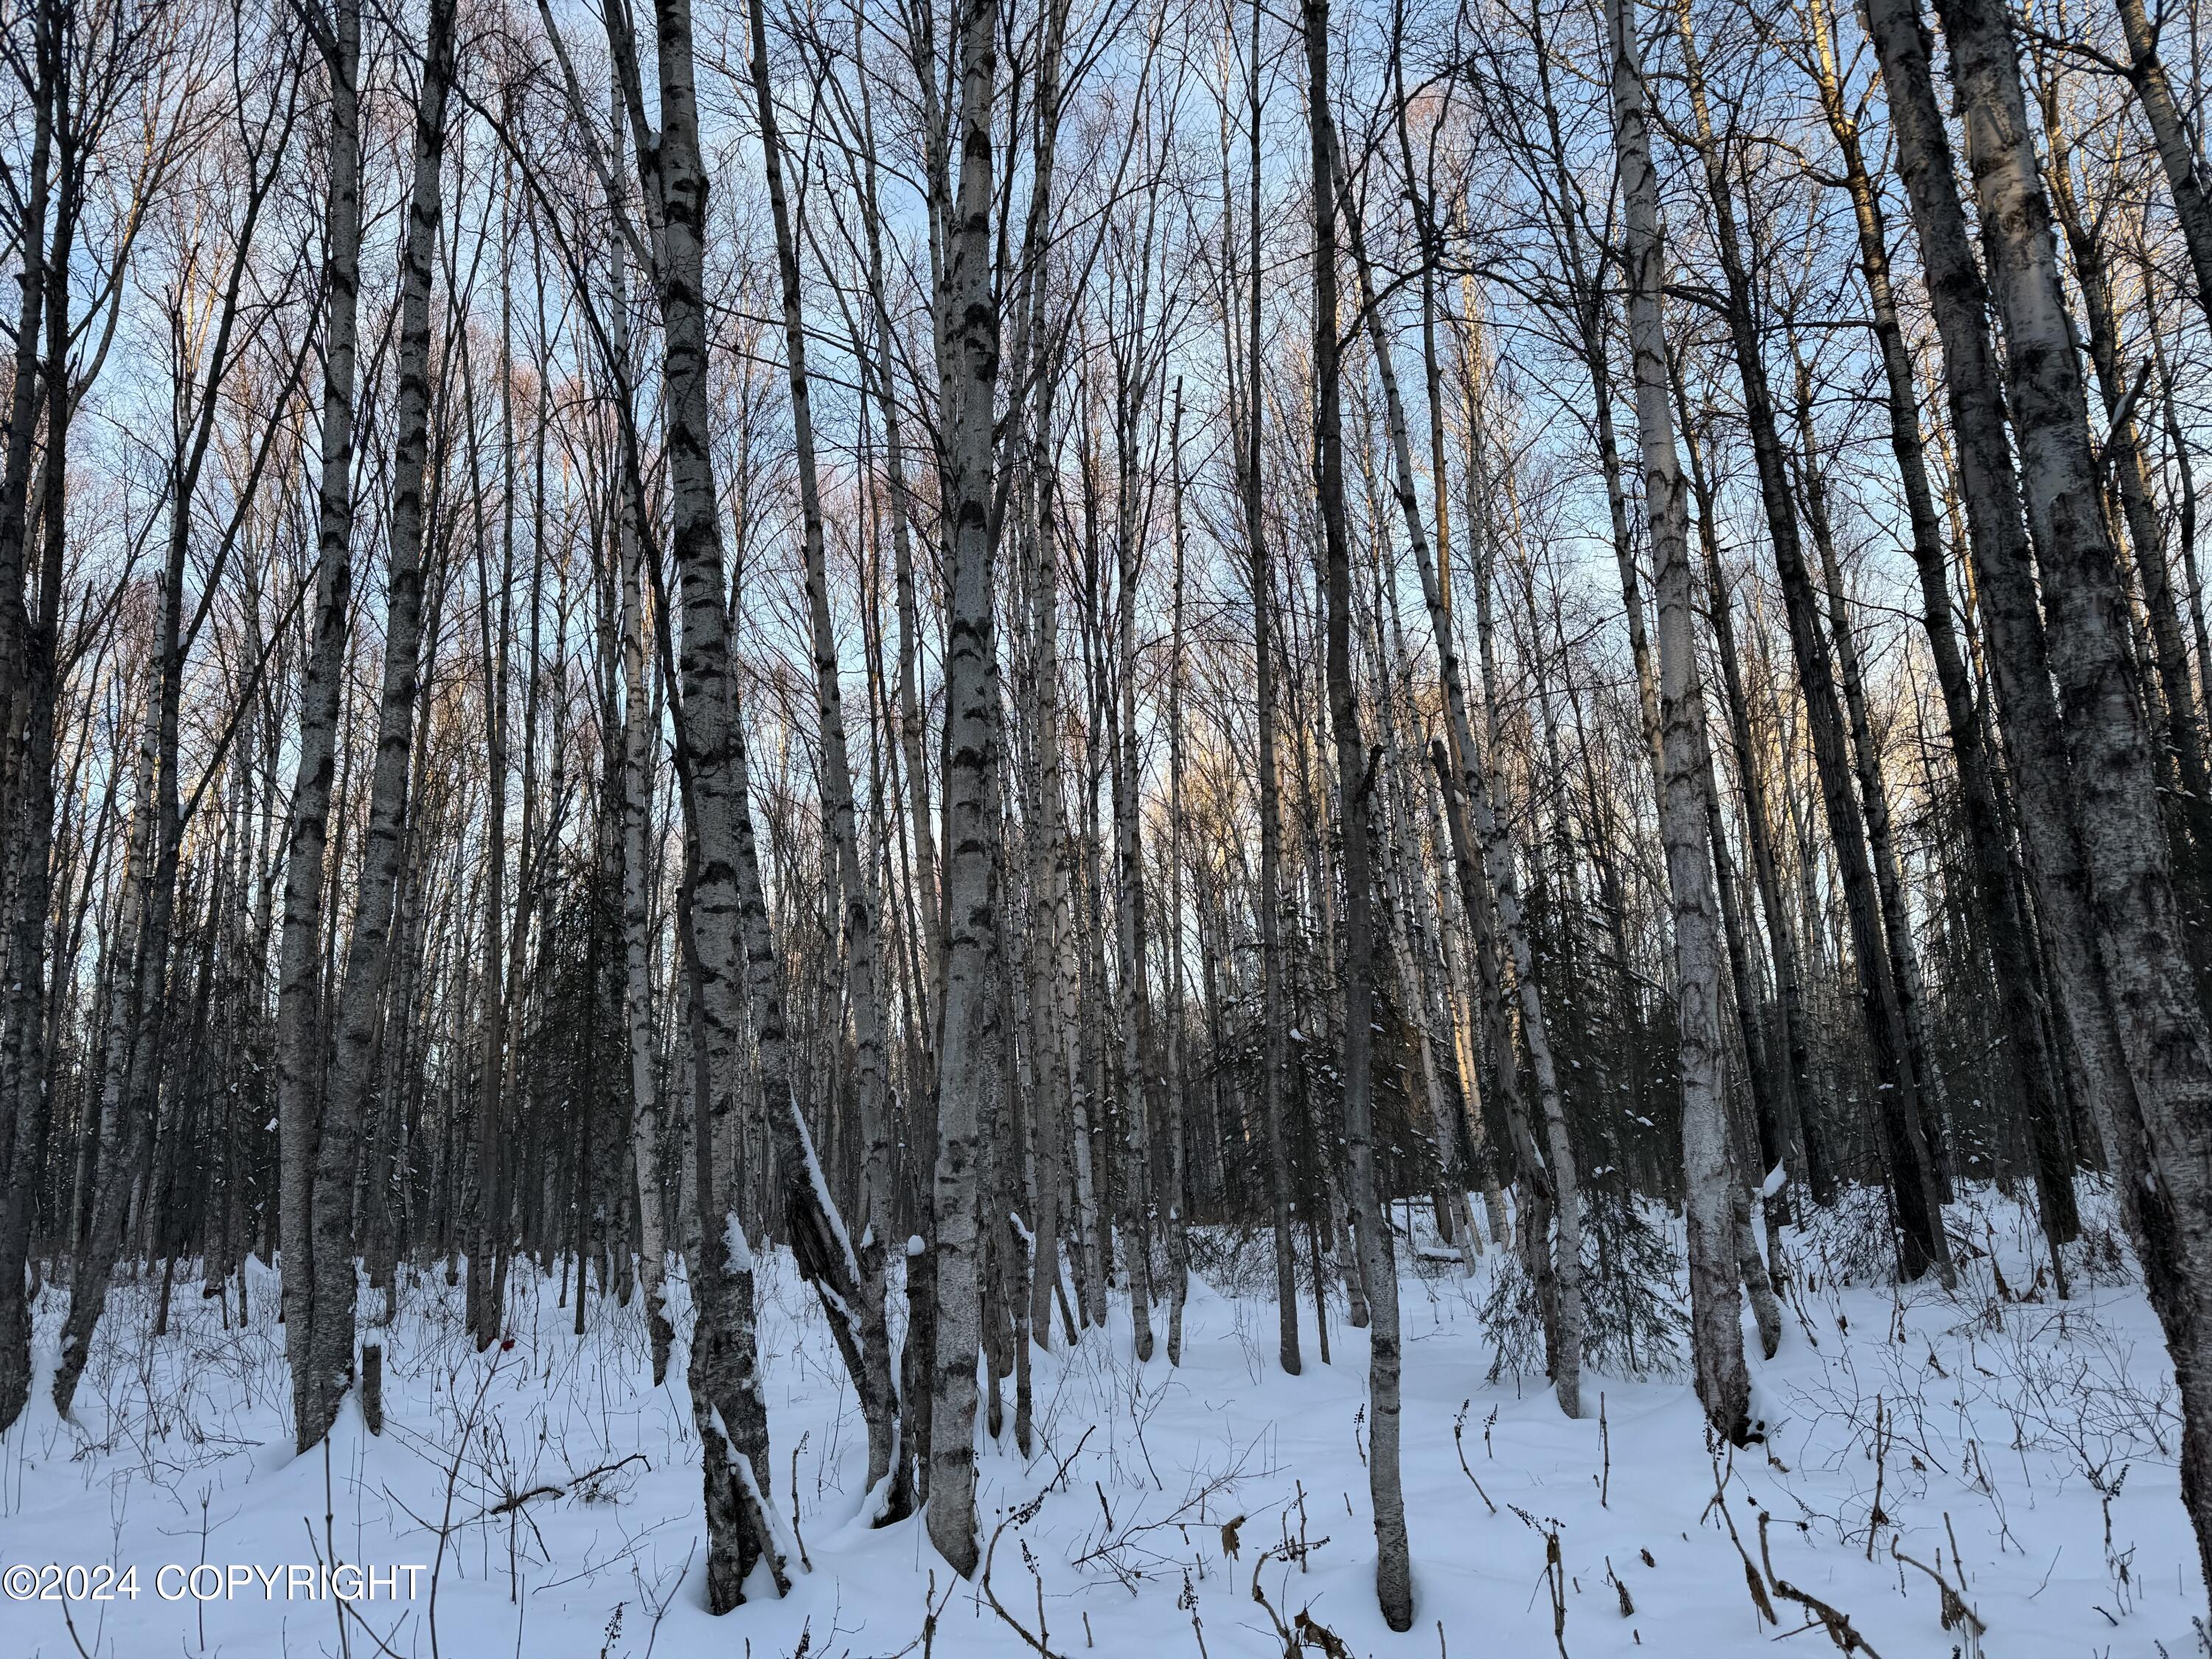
[(552, 1495)]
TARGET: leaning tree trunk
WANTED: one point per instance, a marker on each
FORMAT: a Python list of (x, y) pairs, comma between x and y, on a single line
[(1499, 889), (1410, 942), (2190, 812), (1912, 1173), (2166, 1168), (2176, 143), (874, 1379), (1415, 998), (1716, 1309), (1921, 1243), (1589, 304), (1866, 759), (2005, 581), (1798, 1096), (1775, 1096), (2029, 1062)]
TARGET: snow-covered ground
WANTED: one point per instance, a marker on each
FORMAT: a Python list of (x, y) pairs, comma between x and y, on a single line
[(2021, 1449)]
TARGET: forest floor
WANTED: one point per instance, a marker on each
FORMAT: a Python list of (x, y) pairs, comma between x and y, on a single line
[(2020, 1450)]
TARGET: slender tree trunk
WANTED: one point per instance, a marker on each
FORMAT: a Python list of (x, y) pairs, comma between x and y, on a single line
[(729, 1409), (637, 863), (489, 1180), (1774, 1093), (1048, 909), (1998, 539), (1409, 507), (1588, 301), (299, 1074), (1266, 901), (2185, 508), (361, 994), (1174, 1216), (132, 986), (1393, 1581), (1133, 1080), (1874, 793), (1500, 888), (910, 721), (875, 1380), (2029, 1062), (1921, 1241), (2175, 140), (2168, 657), (1801, 1097), (1716, 1309), (970, 1078), (26, 804)]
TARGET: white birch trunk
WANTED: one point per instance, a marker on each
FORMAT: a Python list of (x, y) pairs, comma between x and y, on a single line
[(298, 1024), (972, 1057), (1716, 1317)]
